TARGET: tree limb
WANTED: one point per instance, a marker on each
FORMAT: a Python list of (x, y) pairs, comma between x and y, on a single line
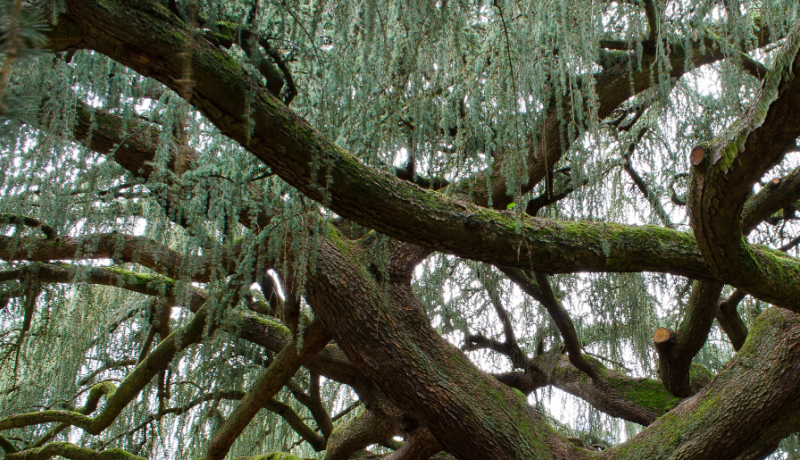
[(314, 338), (72, 452)]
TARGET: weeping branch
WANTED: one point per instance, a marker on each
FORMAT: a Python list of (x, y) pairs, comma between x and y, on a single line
[(158, 360)]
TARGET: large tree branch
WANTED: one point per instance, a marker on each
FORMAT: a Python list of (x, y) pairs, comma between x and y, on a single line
[(153, 285), (287, 144), (120, 248), (634, 399), (372, 198), (723, 175), (72, 452), (756, 396), (615, 84)]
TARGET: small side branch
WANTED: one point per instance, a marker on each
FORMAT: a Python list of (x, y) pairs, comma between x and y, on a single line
[(777, 194), (640, 183), (23, 221), (543, 293), (730, 321)]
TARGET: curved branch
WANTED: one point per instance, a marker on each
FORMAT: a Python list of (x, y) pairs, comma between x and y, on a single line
[(420, 444), (724, 172), (370, 427), (543, 293), (372, 198)]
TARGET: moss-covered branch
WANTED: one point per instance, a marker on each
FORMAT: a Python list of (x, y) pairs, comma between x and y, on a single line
[(372, 198), (120, 248), (72, 452), (155, 285), (637, 400), (756, 396)]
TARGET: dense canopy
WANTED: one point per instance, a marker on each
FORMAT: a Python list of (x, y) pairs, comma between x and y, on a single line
[(517, 229)]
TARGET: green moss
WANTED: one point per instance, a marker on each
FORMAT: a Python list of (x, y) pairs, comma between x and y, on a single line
[(145, 280), (277, 456), (699, 376), (345, 247), (521, 396), (272, 326), (650, 394)]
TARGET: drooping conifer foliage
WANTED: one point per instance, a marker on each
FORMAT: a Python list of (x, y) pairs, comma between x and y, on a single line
[(470, 229)]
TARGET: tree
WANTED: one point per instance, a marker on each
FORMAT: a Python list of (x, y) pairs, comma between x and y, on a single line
[(243, 228)]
